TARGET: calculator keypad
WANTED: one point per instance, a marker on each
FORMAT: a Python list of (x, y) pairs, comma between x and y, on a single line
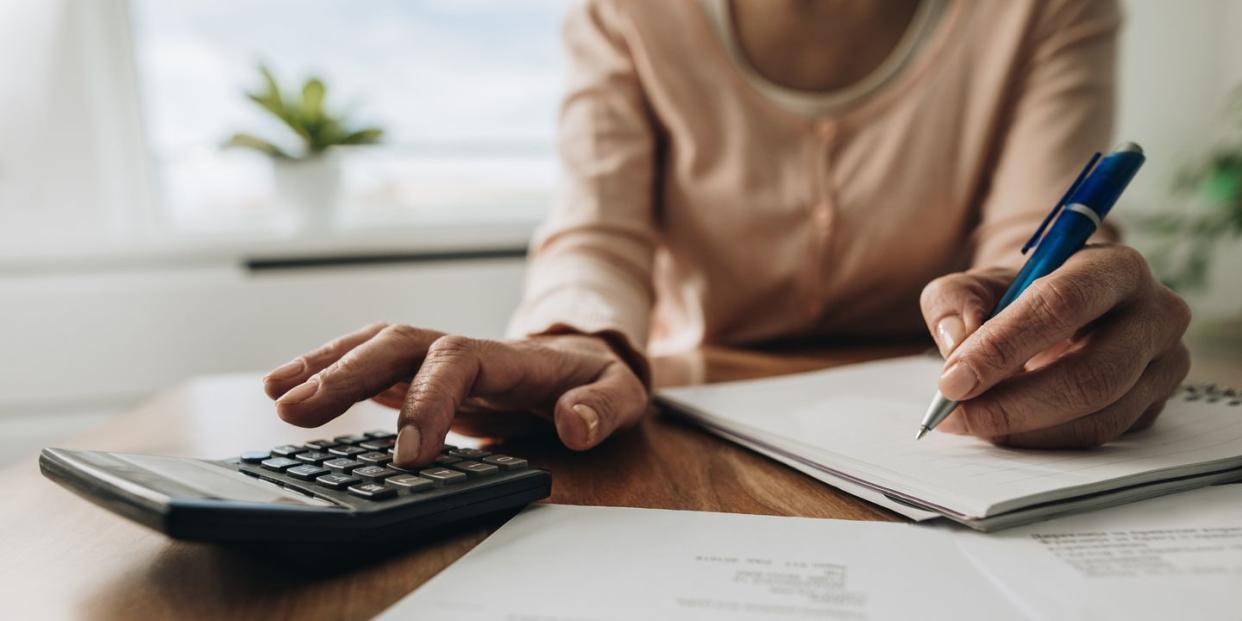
[(306, 472), (313, 457), (280, 464), (361, 465)]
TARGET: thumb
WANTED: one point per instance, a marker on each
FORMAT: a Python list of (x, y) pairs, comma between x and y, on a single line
[(585, 415), (955, 305)]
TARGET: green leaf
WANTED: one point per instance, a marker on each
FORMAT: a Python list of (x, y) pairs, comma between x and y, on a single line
[(250, 141), (312, 99), (370, 135)]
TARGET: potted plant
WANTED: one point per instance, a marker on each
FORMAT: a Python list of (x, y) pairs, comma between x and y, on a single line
[(308, 175), (1211, 216)]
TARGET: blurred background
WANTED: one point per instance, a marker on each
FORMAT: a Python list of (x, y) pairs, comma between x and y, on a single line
[(136, 251)]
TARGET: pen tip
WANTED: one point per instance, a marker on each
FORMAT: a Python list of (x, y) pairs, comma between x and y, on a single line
[(922, 432)]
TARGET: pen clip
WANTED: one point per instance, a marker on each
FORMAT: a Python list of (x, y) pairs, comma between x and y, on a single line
[(1039, 232)]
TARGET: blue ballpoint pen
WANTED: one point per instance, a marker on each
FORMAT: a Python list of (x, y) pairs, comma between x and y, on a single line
[(1081, 212)]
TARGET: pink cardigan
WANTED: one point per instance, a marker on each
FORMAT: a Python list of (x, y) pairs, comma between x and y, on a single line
[(695, 210)]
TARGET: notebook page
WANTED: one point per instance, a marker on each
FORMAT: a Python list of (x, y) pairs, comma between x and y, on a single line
[(860, 420)]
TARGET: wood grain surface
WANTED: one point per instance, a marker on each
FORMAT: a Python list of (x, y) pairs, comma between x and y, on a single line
[(61, 557)]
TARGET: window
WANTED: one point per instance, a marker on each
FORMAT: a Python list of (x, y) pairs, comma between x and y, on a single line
[(467, 91)]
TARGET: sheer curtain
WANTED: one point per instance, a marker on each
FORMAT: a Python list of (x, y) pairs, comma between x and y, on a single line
[(72, 155)]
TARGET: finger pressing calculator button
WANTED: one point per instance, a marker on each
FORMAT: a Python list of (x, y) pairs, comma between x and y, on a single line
[(377, 473), (280, 464), (475, 469), (469, 453), (411, 482), (320, 445), (313, 457), (337, 480), (373, 491), (379, 433), (343, 464), (306, 472), (351, 439), (505, 461), (378, 445), (254, 457), (287, 450), (346, 450), (375, 458), (443, 476)]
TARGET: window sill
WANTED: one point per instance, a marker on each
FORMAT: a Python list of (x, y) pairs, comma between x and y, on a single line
[(263, 249)]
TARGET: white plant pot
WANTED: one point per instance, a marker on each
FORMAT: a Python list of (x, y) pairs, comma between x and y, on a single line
[(310, 188)]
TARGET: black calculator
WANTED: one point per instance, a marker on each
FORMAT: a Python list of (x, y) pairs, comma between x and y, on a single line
[(342, 490)]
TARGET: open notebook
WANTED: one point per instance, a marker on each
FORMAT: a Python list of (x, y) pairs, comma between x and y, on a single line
[(853, 427)]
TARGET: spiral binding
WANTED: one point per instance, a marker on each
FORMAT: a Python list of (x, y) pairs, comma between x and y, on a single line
[(1211, 393)]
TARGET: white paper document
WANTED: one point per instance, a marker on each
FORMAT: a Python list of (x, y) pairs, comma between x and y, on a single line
[(1176, 557), (568, 563)]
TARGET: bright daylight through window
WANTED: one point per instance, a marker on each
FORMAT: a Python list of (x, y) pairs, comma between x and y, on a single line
[(464, 91)]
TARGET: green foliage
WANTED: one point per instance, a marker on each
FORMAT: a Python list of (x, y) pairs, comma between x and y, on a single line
[(1189, 239), (305, 114)]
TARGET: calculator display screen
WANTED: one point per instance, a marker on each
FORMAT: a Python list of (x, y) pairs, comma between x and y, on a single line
[(177, 477)]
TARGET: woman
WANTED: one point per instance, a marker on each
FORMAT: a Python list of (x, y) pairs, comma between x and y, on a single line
[(741, 171)]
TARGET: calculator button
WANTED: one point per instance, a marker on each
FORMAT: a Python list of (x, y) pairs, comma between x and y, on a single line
[(445, 460), (476, 469), (380, 434), (343, 464), (336, 480), (280, 464), (469, 453), (306, 472), (377, 473), (287, 450), (346, 451), (443, 476), (378, 445), (373, 491), (320, 445), (378, 459), (254, 457), (410, 482), (505, 461), (351, 439), (312, 457)]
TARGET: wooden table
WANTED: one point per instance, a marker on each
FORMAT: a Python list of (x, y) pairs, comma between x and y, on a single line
[(61, 557)]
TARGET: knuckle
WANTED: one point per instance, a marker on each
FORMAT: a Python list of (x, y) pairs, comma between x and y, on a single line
[(988, 418), (1055, 301), (403, 332), (1177, 310), (991, 352), (342, 378), (1090, 387), (604, 402), (450, 346), (1130, 261)]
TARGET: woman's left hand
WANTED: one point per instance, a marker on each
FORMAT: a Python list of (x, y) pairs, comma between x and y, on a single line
[(1085, 354)]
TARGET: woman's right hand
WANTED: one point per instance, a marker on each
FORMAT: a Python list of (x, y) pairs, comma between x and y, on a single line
[(578, 382)]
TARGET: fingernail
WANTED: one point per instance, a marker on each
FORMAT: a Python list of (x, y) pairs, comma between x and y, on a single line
[(287, 370), (949, 333), (589, 417), (409, 440), (958, 381), (300, 393)]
